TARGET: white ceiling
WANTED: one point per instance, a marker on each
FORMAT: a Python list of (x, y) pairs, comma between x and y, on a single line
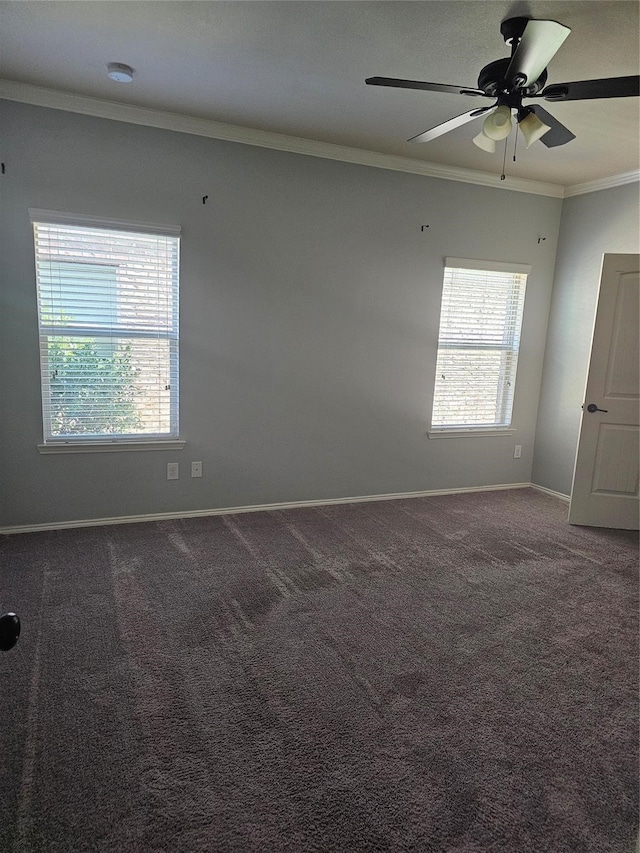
[(298, 68)]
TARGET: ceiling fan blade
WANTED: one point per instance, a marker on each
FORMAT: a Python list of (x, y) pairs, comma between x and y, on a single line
[(446, 126), (538, 45), (558, 135), (583, 90), (418, 84)]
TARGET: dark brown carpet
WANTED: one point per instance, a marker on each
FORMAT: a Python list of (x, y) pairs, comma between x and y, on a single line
[(441, 674)]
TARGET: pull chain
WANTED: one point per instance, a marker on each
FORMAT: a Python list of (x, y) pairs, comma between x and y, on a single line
[(504, 160), (515, 145)]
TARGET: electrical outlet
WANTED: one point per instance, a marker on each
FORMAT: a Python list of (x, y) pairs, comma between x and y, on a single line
[(173, 470), (517, 451), (196, 469)]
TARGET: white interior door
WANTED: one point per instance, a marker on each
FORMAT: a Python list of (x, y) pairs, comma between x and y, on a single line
[(605, 480)]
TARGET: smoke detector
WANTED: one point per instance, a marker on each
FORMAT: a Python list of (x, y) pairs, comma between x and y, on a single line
[(119, 72)]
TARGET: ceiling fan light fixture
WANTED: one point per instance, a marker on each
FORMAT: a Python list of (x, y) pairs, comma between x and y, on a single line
[(485, 142), (532, 128), (498, 125)]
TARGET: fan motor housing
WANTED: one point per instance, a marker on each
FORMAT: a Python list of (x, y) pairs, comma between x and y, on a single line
[(492, 79)]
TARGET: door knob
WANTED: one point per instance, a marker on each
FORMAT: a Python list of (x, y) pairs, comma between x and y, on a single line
[(593, 408)]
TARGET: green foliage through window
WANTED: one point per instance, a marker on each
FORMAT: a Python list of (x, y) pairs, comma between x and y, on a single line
[(93, 387)]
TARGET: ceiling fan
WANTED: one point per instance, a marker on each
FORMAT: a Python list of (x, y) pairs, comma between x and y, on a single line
[(521, 76)]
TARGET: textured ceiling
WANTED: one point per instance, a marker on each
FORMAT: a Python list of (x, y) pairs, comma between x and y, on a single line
[(298, 68)]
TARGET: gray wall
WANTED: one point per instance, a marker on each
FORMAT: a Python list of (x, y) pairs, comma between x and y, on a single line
[(605, 221), (310, 304)]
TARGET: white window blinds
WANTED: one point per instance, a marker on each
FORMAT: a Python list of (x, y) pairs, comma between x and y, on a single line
[(108, 321), (478, 342)]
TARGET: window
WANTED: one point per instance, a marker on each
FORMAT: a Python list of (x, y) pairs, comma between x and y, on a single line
[(108, 322), (480, 321)]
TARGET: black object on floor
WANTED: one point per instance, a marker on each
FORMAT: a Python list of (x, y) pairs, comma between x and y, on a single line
[(9, 631)]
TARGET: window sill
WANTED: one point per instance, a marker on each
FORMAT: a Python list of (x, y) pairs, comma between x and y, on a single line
[(110, 446), (468, 433)]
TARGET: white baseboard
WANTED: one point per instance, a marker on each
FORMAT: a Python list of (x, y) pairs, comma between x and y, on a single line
[(200, 513), (553, 494)]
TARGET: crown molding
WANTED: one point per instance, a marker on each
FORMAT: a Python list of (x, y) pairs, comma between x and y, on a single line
[(38, 96), (13, 90), (631, 177)]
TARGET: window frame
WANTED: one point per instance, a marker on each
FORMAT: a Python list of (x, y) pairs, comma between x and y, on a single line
[(85, 443), (495, 429)]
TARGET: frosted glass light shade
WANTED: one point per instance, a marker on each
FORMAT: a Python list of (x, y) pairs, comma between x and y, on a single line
[(485, 143), (498, 124), (532, 128)]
